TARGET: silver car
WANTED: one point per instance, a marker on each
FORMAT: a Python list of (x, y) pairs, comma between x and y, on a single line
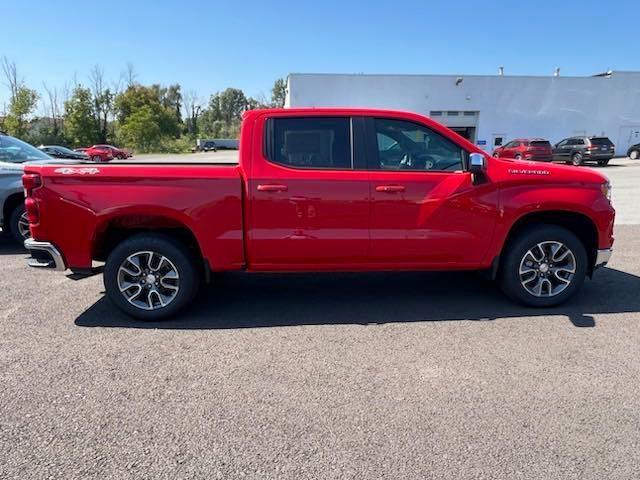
[(14, 155)]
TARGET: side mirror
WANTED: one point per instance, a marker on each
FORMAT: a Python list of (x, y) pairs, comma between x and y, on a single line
[(477, 163), (478, 168)]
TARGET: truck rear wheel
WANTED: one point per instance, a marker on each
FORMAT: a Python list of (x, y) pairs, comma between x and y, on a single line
[(543, 266), (151, 276)]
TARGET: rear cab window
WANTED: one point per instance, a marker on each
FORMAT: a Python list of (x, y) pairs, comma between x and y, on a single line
[(310, 142)]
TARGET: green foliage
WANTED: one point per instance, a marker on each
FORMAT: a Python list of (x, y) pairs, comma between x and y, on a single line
[(141, 130), (279, 93), (80, 126), (176, 145), (156, 104), (223, 115), (22, 103)]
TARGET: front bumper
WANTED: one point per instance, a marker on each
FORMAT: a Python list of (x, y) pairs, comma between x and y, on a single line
[(44, 255), (603, 256)]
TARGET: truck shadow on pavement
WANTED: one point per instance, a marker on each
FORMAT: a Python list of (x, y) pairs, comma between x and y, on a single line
[(277, 300), (9, 247)]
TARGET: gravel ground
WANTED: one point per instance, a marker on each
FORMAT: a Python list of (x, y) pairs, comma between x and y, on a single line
[(396, 376)]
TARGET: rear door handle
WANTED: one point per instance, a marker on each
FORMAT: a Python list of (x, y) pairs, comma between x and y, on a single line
[(389, 188), (272, 188)]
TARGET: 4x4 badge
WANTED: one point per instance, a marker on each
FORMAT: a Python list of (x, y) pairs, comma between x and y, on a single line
[(77, 171)]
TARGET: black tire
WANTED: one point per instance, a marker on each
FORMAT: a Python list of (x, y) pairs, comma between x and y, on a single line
[(517, 157), (576, 159), (603, 163), (634, 154), (14, 225), (96, 159), (515, 251), (184, 262)]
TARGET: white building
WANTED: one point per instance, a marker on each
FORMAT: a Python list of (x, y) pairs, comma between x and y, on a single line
[(491, 109)]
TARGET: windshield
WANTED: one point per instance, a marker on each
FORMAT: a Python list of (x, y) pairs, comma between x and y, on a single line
[(16, 151), (66, 150)]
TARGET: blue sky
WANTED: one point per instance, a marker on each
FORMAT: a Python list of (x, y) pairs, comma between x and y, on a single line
[(208, 46)]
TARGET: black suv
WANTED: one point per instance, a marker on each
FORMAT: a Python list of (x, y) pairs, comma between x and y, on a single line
[(578, 150)]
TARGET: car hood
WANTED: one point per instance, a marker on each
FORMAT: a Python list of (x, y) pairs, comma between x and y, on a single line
[(549, 172), (19, 167)]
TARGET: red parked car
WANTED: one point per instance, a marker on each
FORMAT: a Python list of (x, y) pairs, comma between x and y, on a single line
[(536, 149), (105, 153), (322, 190)]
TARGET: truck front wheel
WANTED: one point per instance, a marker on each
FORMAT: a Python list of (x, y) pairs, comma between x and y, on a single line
[(543, 266), (151, 276)]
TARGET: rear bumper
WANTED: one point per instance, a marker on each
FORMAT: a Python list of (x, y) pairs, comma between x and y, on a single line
[(598, 155), (602, 258), (44, 255)]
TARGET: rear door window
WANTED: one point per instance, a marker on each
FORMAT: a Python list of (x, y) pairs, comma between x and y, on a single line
[(311, 142)]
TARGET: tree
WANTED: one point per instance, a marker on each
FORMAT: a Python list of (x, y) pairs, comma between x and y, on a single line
[(139, 104), (53, 110), (22, 101), (141, 130), (232, 102), (279, 93), (193, 107), (103, 99), (80, 127)]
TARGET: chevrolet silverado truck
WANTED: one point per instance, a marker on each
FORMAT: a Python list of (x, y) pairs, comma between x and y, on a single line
[(322, 190)]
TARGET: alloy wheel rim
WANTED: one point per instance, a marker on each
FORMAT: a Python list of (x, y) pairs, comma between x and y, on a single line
[(23, 226), (547, 269), (148, 280)]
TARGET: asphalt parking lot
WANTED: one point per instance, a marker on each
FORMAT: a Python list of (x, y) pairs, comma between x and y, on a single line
[(412, 375)]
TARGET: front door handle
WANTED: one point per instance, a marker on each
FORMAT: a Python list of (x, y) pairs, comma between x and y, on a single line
[(389, 188), (272, 188)]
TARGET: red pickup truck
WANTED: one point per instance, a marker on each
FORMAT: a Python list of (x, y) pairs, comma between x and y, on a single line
[(322, 190)]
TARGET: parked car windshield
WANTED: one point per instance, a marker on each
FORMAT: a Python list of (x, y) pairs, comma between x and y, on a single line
[(540, 143), (66, 150), (16, 151)]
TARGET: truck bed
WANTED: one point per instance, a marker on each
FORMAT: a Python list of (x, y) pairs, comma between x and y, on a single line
[(95, 199)]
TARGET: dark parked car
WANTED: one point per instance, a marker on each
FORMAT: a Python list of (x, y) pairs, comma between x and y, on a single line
[(536, 149), (209, 146), (56, 151), (634, 152), (577, 150)]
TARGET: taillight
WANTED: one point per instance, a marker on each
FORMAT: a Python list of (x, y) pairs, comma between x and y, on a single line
[(33, 212), (592, 147), (30, 181)]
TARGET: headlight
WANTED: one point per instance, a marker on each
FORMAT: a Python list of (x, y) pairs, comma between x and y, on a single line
[(606, 190)]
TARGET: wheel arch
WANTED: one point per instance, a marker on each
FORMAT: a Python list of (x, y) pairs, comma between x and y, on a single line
[(120, 228), (577, 223), (10, 203)]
